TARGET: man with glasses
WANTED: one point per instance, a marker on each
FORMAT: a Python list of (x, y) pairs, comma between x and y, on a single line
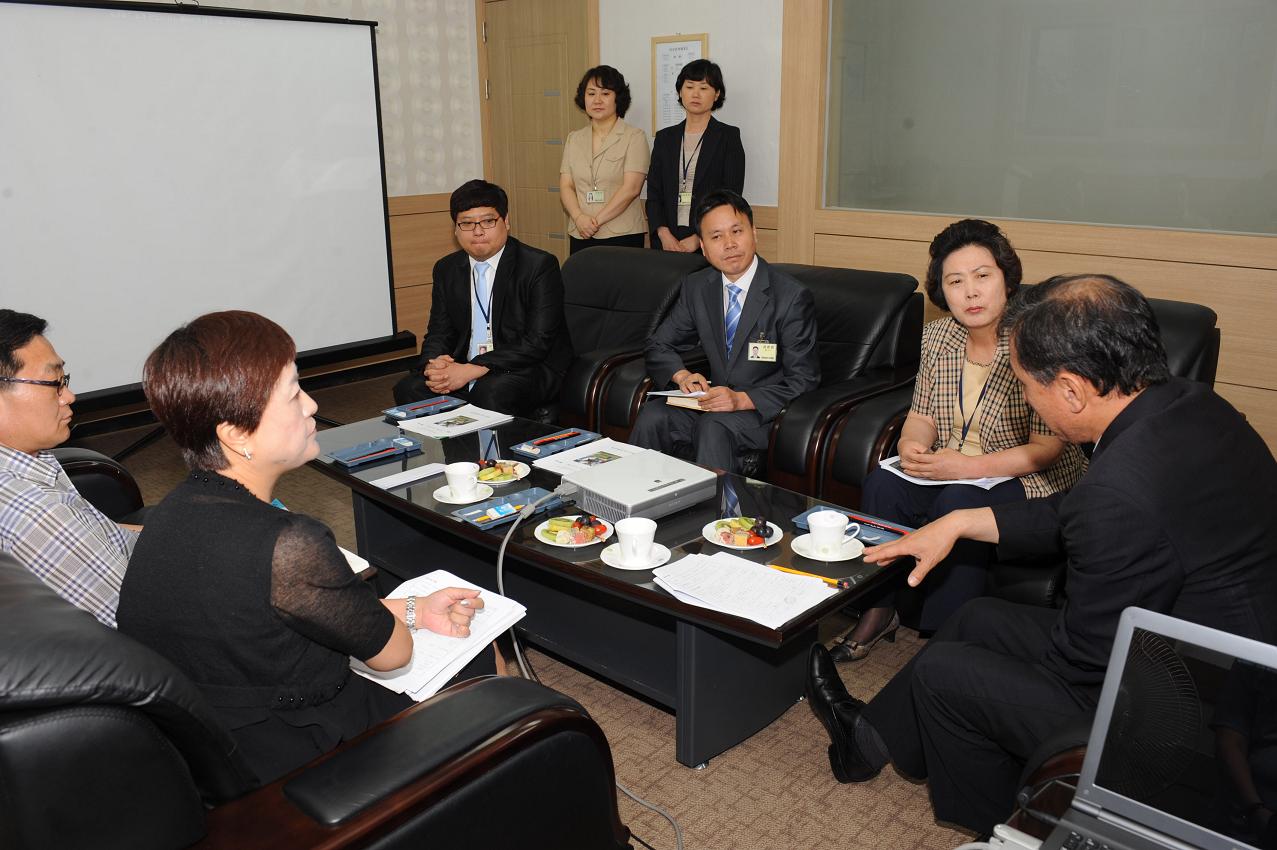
[(44, 523), (497, 335)]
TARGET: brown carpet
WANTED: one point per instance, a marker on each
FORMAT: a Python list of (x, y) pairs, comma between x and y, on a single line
[(773, 792)]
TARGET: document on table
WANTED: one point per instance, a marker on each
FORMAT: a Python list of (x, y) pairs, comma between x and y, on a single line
[(892, 465), (598, 452), (733, 585), (437, 658), (453, 423)]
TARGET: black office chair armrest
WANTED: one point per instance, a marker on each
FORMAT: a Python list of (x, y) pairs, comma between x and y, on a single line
[(798, 439), (627, 389), (434, 770), (103, 481), (585, 382), (868, 433)]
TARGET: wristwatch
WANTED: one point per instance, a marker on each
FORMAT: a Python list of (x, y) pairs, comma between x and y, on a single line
[(410, 613)]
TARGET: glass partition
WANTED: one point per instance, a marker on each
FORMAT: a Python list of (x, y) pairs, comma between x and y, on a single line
[(1127, 112)]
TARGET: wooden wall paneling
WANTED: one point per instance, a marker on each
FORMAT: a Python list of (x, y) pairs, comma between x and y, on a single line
[(802, 118), (412, 306), (420, 233)]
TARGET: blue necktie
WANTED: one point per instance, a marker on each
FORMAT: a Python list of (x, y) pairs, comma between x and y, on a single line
[(733, 316), (481, 310)]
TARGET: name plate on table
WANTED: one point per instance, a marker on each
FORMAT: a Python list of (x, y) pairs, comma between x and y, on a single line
[(873, 531), (560, 441), (426, 407), (504, 509), (376, 451)]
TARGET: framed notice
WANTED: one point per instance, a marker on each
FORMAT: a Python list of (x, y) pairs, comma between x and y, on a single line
[(669, 54)]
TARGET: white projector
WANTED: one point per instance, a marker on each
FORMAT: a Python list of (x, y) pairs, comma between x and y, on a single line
[(647, 484)]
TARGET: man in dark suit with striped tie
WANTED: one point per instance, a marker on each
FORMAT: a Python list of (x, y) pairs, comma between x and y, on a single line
[(757, 328)]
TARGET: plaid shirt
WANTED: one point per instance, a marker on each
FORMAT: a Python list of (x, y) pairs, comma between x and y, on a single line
[(53, 531), (1006, 420)]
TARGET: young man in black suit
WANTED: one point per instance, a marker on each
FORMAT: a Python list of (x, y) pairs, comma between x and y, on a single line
[(1174, 515), (497, 335), (757, 327)]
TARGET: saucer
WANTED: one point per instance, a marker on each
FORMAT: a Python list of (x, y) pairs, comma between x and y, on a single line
[(851, 549), (444, 494), (611, 556)]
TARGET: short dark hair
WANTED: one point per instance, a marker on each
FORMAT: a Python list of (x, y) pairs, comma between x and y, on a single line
[(219, 368), (606, 77), (478, 193), (16, 330), (960, 234), (1092, 325), (703, 70), (718, 198)]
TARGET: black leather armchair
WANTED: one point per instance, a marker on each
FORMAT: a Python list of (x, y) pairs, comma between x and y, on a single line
[(867, 433), (103, 743), (103, 481), (613, 300), (869, 328)]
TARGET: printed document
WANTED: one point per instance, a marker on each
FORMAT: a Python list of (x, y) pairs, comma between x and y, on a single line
[(892, 465), (601, 451), (733, 585), (453, 423)]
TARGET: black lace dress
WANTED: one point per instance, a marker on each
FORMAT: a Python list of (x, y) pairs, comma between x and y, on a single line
[(258, 606)]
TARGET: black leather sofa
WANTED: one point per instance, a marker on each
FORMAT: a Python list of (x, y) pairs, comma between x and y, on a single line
[(105, 744), (869, 329), (868, 432), (613, 300)]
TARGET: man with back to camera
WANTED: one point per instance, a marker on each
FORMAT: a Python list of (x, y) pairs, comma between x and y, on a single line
[(1174, 515), (44, 522), (497, 335), (757, 327)]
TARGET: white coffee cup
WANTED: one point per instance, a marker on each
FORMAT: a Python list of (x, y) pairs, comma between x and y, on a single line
[(829, 531), (634, 536), (463, 479)]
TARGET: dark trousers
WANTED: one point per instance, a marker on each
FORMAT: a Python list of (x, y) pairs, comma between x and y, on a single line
[(628, 240), (679, 231), (710, 439), (971, 707), (960, 577), (512, 393)]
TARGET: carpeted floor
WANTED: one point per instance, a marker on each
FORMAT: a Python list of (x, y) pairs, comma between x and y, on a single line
[(773, 792)]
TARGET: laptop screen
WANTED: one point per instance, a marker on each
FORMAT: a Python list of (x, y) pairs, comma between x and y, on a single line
[(1187, 729)]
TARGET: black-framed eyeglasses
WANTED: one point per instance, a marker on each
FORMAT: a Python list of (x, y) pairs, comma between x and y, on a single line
[(488, 224), (61, 383)]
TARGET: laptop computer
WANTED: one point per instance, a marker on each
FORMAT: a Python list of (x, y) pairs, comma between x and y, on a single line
[(1187, 716)]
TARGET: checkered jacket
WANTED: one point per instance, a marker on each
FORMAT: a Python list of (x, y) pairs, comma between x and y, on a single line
[(1006, 420)]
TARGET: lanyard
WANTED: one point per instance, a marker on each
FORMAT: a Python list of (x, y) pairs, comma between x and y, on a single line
[(474, 286), (966, 422), (683, 158)]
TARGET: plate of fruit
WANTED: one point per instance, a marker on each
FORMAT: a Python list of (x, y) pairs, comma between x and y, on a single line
[(502, 471), (742, 532), (574, 531)]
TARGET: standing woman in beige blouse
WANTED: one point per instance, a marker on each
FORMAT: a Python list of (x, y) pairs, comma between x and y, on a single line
[(604, 165)]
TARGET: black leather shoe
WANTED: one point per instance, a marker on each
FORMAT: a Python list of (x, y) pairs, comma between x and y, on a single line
[(838, 712)]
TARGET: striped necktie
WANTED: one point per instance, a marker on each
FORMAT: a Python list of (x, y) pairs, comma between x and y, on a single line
[(732, 319)]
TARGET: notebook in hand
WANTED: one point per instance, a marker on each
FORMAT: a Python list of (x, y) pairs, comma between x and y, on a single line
[(1184, 745)]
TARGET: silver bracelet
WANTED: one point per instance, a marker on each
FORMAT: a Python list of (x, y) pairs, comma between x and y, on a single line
[(410, 613)]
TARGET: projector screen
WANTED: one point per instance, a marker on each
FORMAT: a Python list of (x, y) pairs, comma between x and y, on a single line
[(157, 165)]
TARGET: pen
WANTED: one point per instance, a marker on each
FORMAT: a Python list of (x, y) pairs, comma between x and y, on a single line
[(832, 582), (875, 523), (374, 454), (555, 438), (429, 403)]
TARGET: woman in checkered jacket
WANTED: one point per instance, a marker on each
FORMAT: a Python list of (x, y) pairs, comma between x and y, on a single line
[(968, 420)]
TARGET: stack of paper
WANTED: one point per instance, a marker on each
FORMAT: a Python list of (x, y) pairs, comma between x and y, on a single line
[(892, 465), (736, 586), (453, 423), (598, 452), (437, 658)]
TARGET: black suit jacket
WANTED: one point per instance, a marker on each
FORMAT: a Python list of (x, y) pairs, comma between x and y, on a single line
[(720, 165), (529, 331), (1175, 514), (777, 308)]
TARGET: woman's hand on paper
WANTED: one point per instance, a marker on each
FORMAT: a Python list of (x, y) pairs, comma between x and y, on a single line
[(449, 611)]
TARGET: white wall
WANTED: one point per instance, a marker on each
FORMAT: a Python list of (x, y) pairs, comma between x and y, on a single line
[(744, 39)]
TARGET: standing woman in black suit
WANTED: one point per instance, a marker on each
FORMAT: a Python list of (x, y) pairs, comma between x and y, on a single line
[(692, 158)]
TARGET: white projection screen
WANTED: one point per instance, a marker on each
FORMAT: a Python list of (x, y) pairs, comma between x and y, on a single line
[(157, 165)]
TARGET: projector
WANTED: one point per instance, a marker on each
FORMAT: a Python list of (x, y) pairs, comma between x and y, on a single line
[(647, 484)]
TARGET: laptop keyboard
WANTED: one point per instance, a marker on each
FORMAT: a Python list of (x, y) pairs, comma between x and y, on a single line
[(1078, 841)]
